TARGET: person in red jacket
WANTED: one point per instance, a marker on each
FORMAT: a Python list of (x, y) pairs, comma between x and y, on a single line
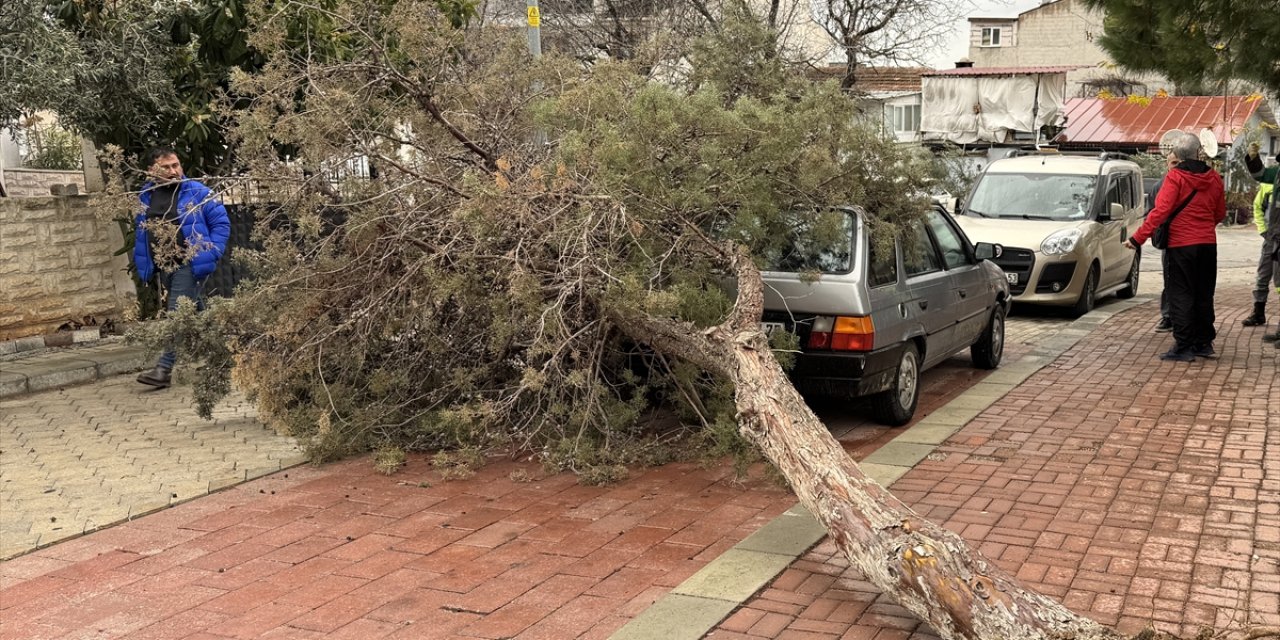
[(1192, 253)]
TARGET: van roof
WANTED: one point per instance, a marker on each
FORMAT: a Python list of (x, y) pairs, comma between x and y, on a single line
[(1051, 163)]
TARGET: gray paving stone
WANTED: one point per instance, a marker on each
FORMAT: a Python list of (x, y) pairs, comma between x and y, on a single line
[(792, 533), (12, 383), (735, 575), (896, 453), (676, 617), (98, 454)]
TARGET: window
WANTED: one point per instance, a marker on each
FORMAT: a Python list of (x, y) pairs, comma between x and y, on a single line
[(820, 242), (906, 118), (954, 250), (884, 264), (991, 36), (1033, 196), (1120, 191), (919, 255)]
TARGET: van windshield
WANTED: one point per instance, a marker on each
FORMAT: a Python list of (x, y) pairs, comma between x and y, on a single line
[(822, 243), (1032, 196)]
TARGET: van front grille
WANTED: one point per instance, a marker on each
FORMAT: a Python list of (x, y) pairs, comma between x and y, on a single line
[(1018, 261)]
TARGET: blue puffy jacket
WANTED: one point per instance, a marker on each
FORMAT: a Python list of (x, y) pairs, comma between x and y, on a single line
[(204, 223)]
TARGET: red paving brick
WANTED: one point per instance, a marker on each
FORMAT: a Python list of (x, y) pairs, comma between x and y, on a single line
[(1127, 487), (1100, 480)]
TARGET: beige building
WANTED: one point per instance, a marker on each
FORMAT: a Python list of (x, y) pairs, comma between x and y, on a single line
[(1058, 32)]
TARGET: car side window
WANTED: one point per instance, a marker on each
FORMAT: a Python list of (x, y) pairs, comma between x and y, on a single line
[(954, 252), (884, 264), (919, 255)]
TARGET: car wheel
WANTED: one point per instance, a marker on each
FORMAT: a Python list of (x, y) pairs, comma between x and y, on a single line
[(896, 406), (989, 349), (1131, 285), (1088, 295)]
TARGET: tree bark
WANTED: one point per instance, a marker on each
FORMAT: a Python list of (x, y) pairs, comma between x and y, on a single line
[(928, 570)]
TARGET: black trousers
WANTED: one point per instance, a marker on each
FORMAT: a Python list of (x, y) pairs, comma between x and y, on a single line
[(1192, 277)]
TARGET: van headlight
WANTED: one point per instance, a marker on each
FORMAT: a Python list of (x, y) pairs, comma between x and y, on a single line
[(1061, 242)]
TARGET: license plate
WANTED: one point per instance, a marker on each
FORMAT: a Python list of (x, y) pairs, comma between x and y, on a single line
[(768, 328), (1012, 277)]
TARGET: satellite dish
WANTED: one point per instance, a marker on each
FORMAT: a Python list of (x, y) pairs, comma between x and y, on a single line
[(1209, 143), (1168, 139)]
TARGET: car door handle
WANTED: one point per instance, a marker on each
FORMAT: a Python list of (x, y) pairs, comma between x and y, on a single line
[(924, 304), (962, 292)]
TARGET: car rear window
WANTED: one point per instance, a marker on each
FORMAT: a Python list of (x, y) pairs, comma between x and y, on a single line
[(821, 242)]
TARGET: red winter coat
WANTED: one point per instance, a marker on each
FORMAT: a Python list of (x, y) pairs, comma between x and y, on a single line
[(1197, 223)]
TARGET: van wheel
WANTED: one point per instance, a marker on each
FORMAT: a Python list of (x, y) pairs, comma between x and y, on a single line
[(989, 349), (896, 406), (1088, 295), (1131, 285)]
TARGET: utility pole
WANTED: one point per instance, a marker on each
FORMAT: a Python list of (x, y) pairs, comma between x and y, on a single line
[(535, 29), (535, 50)]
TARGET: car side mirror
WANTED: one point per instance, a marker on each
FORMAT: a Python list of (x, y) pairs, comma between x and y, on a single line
[(955, 206), (1117, 211), (987, 251)]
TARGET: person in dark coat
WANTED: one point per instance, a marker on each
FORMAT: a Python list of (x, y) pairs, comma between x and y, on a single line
[(1193, 248), (1267, 217)]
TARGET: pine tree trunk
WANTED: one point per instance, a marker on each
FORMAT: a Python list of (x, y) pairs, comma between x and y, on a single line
[(930, 571)]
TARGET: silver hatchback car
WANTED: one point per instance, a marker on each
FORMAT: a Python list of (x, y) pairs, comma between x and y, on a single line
[(875, 319)]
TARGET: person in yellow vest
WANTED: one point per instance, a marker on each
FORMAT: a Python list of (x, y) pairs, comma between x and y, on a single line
[(1266, 215)]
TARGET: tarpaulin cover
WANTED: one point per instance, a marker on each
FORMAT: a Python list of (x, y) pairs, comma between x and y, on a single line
[(969, 109)]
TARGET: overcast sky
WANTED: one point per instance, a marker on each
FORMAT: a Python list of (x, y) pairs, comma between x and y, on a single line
[(958, 45)]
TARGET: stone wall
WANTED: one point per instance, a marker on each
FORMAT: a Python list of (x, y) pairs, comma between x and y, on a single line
[(57, 265), (23, 183)]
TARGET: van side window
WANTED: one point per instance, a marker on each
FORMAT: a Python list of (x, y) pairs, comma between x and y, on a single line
[(919, 255), (884, 264), (954, 252), (1120, 191)]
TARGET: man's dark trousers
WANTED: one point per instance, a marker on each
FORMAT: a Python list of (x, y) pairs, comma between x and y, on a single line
[(1192, 279), (180, 284)]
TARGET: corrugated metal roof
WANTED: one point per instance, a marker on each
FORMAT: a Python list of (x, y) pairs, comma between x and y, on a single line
[(1003, 71), (1099, 120)]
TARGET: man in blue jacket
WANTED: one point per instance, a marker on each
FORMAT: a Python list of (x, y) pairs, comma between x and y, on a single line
[(182, 233)]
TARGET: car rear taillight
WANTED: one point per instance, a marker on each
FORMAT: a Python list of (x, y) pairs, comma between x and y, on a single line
[(842, 333)]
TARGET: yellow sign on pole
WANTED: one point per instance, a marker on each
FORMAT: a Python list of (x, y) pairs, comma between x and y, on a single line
[(535, 19)]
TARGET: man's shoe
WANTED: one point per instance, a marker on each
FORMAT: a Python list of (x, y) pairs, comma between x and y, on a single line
[(1271, 337), (157, 377), (1257, 318), (1165, 326), (1204, 351), (1178, 355)]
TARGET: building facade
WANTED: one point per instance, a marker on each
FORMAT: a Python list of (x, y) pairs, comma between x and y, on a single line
[(1058, 32)]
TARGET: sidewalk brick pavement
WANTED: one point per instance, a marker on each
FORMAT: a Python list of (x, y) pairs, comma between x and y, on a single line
[(341, 551), (1139, 492)]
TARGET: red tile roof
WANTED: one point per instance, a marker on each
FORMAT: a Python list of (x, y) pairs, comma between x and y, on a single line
[(878, 79), (1098, 120), (1003, 71)]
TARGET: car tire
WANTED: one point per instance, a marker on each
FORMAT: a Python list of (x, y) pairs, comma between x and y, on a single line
[(896, 406), (1131, 285), (989, 349), (1088, 295)]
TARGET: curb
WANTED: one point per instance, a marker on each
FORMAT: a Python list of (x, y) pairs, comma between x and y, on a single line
[(697, 605), (41, 372), (50, 340)]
